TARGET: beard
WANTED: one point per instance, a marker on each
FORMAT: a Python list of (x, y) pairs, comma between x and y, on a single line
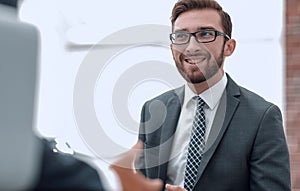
[(209, 67)]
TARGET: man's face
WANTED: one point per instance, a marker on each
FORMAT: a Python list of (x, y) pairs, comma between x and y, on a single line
[(195, 61)]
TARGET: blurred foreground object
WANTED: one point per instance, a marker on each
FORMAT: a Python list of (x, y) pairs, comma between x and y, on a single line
[(20, 148)]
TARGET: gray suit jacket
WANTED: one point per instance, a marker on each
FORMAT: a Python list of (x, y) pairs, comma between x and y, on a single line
[(246, 148)]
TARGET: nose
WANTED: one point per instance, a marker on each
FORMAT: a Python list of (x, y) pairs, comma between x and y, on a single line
[(193, 46)]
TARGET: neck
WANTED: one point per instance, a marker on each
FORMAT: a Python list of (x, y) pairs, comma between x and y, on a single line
[(203, 86)]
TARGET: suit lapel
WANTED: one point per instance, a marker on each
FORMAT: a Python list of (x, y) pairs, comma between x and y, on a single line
[(168, 129), (227, 107)]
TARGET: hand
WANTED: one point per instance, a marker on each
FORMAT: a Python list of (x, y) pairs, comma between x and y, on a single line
[(170, 187), (130, 178)]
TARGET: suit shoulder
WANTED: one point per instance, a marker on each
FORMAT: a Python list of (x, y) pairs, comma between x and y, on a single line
[(248, 100), (65, 172), (254, 100)]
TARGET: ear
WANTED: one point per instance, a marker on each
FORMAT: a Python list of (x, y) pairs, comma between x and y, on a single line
[(229, 47)]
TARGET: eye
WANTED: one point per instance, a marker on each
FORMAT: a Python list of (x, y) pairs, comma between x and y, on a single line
[(179, 36), (206, 34)]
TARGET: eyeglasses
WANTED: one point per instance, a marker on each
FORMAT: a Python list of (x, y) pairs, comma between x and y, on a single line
[(201, 36)]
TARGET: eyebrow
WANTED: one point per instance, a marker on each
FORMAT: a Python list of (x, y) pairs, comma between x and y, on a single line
[(180, 30), (200, 28), (206, 28)]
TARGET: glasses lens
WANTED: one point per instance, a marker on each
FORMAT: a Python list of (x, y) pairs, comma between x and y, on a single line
[(180, 37), (205, 35)]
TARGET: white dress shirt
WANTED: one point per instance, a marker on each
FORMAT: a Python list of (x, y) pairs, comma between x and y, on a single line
[(212, 96)]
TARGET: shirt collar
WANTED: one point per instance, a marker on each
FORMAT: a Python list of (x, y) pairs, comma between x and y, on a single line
[(211, 96)]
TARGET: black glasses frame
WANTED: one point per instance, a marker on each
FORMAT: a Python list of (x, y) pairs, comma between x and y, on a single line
[(217, 33)]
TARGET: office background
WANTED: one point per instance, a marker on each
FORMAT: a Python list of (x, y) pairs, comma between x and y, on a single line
[(266, 61)]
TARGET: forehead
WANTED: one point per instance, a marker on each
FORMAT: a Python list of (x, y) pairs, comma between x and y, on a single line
[(198, 18)]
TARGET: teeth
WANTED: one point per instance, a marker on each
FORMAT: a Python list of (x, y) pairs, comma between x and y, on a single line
[(197, 61)]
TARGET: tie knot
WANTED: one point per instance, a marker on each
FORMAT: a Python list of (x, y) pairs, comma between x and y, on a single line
[(200, 101)]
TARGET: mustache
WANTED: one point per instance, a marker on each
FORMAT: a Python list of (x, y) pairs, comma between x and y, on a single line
[(195, 55)]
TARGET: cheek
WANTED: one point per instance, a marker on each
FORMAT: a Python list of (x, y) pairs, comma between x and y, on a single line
[(215, 45), (177, 50), (176, 54), (214, 52)]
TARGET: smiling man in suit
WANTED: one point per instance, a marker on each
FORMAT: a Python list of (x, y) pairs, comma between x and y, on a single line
[(211, 134)]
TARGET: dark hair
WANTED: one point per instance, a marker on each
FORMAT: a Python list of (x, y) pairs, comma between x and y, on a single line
[(13, 3), (186, 5)]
